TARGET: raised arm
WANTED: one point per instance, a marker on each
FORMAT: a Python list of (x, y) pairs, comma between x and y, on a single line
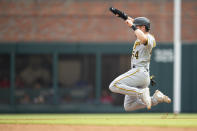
[(140, 34)]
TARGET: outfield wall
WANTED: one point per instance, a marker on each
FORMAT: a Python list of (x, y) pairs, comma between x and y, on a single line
[(99, 65)]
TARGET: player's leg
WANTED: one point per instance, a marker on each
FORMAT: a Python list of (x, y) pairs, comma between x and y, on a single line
[(132, 103), (133, 82), (128, 82)]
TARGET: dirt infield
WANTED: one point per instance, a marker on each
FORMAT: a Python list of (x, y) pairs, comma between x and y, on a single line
[(22, 127)]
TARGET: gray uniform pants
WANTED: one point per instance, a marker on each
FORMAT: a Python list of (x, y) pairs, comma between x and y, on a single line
[(131, 84)]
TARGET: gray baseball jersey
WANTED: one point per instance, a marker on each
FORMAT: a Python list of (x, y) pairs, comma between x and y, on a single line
[(141, 54)]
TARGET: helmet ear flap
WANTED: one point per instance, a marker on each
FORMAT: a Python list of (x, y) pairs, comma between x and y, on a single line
[(147, 28)]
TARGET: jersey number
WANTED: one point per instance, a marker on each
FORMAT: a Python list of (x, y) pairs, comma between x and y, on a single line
[(136, 55)]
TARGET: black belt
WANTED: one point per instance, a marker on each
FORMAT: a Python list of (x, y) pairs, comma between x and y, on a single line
[(136, 67)]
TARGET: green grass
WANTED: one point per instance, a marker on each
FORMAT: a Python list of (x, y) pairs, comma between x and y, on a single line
[(138, 119)]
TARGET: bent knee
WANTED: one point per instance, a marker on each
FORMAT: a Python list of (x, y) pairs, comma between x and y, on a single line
[(128, 107), (112, 87)]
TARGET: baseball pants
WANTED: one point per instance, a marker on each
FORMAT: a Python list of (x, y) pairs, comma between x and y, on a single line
[(131, 84)]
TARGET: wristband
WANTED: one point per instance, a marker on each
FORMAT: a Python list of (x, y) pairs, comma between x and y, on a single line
[(134, 27)]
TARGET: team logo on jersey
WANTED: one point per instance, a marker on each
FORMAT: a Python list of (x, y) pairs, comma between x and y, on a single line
[(136, 44)]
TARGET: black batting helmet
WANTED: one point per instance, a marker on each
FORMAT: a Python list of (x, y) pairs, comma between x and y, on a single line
[(142, 21)]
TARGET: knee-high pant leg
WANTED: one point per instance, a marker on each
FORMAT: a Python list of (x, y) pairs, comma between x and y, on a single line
[(131, 82), (134, 102)]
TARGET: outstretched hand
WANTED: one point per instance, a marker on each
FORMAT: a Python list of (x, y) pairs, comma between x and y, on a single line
[(131, 19), (129, 22)]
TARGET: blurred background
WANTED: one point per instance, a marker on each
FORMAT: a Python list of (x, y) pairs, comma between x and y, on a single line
[(61, 55)]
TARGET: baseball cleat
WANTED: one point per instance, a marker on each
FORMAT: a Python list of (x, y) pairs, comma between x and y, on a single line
[(146, 98), (161, 97)]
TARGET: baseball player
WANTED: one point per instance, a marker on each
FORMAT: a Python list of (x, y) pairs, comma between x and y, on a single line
[(134, 83)]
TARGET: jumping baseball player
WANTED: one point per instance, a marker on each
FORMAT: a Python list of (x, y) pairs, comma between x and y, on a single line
[(134, 83)]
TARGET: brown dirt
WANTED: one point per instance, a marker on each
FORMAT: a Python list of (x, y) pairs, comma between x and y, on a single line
[(21, 127)]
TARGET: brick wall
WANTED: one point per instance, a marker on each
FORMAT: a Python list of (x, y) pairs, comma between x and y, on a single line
[(89, 21)]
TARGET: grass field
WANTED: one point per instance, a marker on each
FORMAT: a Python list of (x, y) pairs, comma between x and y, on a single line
[(138, 119)]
